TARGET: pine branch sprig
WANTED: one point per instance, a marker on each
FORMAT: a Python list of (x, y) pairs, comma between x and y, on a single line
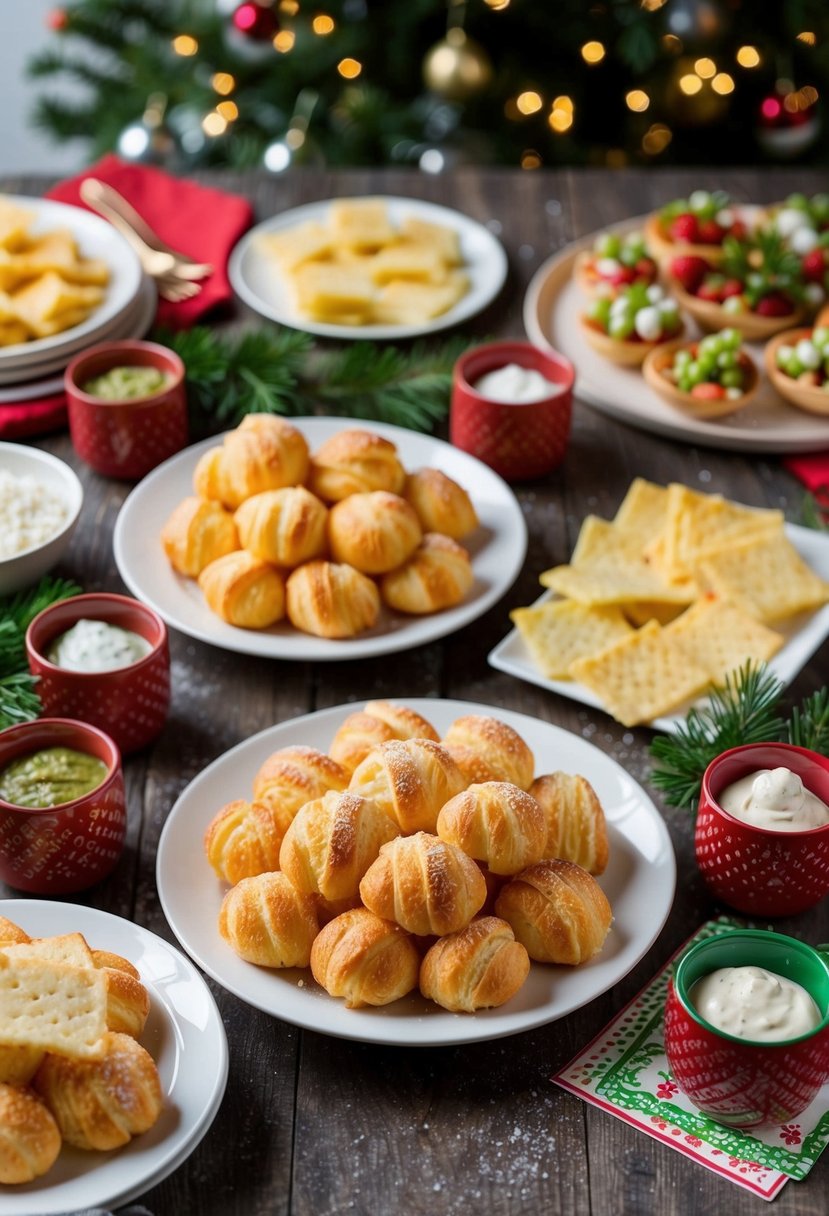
[(809, 724), (19, 701)]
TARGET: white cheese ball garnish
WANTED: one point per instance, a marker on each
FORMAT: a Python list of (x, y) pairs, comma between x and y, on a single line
[(808, 354), (789, 220), (803, 240), (30, 514), (814, 293), (699, 200), (655, 293), (648, 323), (608, 266), (725, 218)]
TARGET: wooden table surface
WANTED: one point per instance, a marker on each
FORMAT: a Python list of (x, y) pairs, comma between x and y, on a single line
[(316, 1126)]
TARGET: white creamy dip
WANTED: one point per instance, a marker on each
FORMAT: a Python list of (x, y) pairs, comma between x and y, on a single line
[(774, 798), (97, 646), (30, 513), (753, 1003), (515, 385)]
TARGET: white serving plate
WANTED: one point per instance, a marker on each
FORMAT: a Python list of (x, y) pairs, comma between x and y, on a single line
[(258, 280), (639, 882), (184, 1035), (497, 547), (96, 239), (552, 306), (803, 633)]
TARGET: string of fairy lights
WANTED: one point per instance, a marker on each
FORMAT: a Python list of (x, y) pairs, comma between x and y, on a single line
[(693, 80)]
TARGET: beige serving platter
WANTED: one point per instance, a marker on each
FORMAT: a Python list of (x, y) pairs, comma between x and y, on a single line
[(552, 307)]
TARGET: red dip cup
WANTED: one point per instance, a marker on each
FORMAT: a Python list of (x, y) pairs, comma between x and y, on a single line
[(740, 1082), (131, 702), (760, 871), (126, 438), (520, 441), (65, 848)]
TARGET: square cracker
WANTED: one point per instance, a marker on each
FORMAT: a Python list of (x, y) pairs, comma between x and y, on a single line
[(52, 1006), (642, 512), (307, 242), (404, 303), (698, 525), (767, 577), (361, 223), (330, 292), (559, 632), (642, 676), (721, 636), (445, 240), (70, 949)]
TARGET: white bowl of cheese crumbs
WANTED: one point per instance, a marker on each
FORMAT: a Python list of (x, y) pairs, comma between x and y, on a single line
[(40, 501)]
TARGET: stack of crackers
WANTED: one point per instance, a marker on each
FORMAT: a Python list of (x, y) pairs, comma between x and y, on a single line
[(46, 286), (665, 600), (359, 269)]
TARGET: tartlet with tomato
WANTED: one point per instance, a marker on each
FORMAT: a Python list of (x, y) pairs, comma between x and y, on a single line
[(636, 321), (616, 261), (698, 225), (709, 378), (797, 363)]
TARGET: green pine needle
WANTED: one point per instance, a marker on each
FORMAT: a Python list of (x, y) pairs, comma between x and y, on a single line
[(23, 607), (18, 700), (809, 725), (814, 509), (744, 710)]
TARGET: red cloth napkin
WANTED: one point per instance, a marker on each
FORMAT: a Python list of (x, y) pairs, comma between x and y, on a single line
[(199, 220), (812, 470)]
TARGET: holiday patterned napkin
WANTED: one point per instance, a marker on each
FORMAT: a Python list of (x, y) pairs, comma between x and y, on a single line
[(624, 1072)]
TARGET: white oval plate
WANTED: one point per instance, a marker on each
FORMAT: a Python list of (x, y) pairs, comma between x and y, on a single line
[(552, 307), (184, 1035), (639, 882), (96, 239), (258, 280), (497, 548)]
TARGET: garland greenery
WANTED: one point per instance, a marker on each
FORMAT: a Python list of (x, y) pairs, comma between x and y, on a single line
[(19, 701), (276, 370), (746, 709)]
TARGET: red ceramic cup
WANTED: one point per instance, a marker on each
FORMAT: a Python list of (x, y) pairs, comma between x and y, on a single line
[(126, 438), (519, 441), (69, 847), (737, 1081), (130, 703), (756, 870)]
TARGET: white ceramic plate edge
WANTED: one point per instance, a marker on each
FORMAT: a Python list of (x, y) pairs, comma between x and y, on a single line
[(801, 643), (392, 1026)]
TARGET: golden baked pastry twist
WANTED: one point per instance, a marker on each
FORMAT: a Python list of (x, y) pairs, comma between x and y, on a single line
[(471, 763), (410, 779), (496, 823), (479, 967), (101, 1104), (198, 531), (438, 575), (576, 825), (501, 747), (263, 453), (244, 839), (294, 775), (424, 884), (331, 843), (29, 1136), (285, 527), (366, 960), (379, 722), (18, 1063), (440, 503), (331, 600), (244, 591), (128, 1002), (354, 462), (373, 532), (557, 910), (267, 921)]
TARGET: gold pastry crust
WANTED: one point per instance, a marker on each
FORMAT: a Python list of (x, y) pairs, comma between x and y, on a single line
[(424, 884), (496, 823), (366, 960), (244, 591), (197, 533), (557, 910), (440, 503), (373, 532), (576, 825), (29, 1136), (244, 838), (479, 967), (354, 462), (331, 600), (268, 922), (285, 527), (438, 575), (501, 747), (294, 775), (410, 779)]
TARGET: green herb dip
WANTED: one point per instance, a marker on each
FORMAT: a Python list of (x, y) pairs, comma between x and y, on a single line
[(50, 777), (124, 383)]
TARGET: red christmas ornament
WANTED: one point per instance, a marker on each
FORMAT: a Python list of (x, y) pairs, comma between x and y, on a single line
[(57, 19), (787, 122), (256, 21)]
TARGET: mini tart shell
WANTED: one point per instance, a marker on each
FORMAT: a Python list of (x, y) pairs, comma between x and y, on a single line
[(711, 316), (663, 357), (593, 285), (663, 248), (803, 396), (621, 351)]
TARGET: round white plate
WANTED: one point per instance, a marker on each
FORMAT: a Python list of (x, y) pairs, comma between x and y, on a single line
[(639, 882), (184, 1035), (497, 547), (96, 239), (552, 307), (133, 323), (258, 280)]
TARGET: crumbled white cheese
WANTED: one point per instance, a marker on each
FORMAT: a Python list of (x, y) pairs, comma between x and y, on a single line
[(30, 514)]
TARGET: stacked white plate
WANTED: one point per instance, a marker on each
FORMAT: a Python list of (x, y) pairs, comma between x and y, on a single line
[(31, 369)]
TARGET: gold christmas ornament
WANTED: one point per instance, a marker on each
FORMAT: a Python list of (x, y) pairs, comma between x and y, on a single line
[(457, 67)]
